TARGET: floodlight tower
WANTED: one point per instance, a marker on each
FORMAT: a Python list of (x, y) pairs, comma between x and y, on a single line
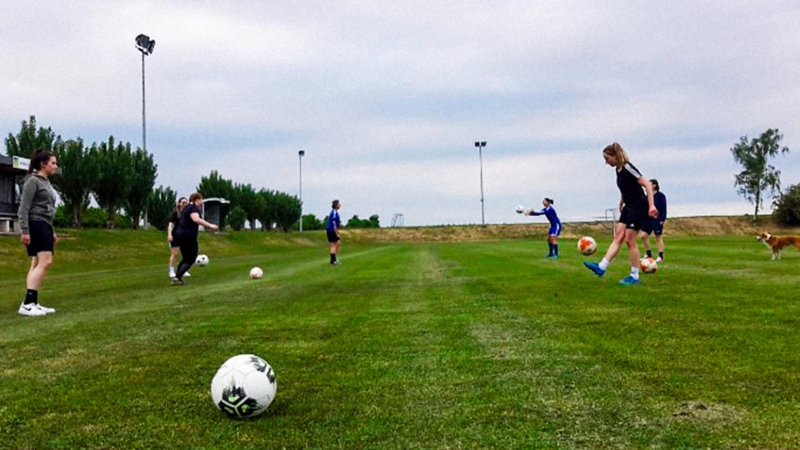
[(480, 145), (145, 45), (301, 153)]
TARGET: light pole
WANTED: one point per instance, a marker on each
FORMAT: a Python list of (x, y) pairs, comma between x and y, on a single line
[(301, 153), (145, 45), (480, 145)]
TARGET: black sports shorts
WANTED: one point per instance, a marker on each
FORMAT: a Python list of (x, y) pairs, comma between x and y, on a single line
[(653, 226), (333, 237), (41, 237), (634, 216)]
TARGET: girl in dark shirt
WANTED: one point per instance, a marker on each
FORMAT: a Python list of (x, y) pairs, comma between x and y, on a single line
[(635, 205), (187, 235), (172, 228)]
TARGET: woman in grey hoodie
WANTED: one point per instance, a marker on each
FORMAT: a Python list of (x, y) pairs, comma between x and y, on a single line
[(36, 211)]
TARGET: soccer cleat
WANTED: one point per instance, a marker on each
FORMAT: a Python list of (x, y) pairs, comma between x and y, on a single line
[(594, 267), (172, 273), (659, 259), (31, 309), (187, 274), (177, 282), (46, 309), (552, 256), (336, 263), (629, 280)]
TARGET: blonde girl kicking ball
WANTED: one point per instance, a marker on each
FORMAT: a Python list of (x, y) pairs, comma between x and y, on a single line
[(636, 207)]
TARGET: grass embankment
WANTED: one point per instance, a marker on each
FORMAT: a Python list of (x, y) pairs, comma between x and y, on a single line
[(427, 345)]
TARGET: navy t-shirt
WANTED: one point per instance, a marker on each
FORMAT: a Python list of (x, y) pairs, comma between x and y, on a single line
[(333, 220), (188, 227)]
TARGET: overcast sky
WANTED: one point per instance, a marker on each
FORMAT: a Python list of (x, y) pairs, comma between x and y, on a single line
[(388, 97)]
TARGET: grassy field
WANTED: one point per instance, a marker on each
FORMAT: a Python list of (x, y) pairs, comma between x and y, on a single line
[(411, 345)]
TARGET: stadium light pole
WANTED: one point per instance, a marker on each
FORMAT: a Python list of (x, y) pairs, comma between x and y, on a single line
[(480, 145), (301, 153), (145, 45)]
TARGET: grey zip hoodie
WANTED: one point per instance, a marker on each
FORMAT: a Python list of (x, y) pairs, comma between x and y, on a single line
[(38, 202)]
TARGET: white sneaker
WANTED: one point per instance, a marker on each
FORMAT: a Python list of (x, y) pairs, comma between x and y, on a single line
[(30, 310), (187, 274), (46, 309), (172, 273), (659, 259)]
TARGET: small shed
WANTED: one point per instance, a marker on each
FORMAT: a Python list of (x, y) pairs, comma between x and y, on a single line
[(12, 170), (210, 211)]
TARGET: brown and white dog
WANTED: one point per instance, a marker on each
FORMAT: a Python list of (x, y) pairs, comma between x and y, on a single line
[(778, 243)]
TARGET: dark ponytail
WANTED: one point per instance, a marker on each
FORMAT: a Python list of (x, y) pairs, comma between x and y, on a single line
[(38, 159), (550, 200)]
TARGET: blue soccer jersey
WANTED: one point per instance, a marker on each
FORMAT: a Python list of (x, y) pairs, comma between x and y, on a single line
[(333, 220), (552, 217)]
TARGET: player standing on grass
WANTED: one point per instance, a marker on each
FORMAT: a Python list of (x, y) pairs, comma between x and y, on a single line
[(635, 205), (656, 226), (36, 211), (172, 238), (555, 225), (334, 223), (187, 235)]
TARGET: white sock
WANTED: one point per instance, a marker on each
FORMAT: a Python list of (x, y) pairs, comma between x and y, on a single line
[(604, 264), (635, 273)]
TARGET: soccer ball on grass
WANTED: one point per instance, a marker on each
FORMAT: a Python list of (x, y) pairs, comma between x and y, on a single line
[(256, 273), (202, 260), (244, 386), (648, 265)]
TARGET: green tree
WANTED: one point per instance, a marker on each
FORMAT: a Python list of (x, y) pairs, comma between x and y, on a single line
[(74, 183), (787, 206), (30, 138), (160, 205), (215, 186), (142, 180), (758, 176), (310, 222), (236, 218), (286, 210), (374, 221), (114, 172), (246, 198)]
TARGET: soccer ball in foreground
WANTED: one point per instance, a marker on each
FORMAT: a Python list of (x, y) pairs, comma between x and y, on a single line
[(587, 245), (202, 260), (520, 209), (244, 386), (648, 265), (256, 273)]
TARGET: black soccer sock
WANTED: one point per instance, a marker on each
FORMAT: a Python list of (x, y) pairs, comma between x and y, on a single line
[(649, 253), (333, 257), (32, 296), (550, 247), (661, 255), (555, 249)]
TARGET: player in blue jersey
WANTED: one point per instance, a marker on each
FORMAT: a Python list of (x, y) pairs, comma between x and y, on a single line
[(334, 223), (555, 225), (656, 226), (635, 205)]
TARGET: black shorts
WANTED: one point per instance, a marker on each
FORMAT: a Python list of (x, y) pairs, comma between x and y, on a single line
[(653, 226), (175, 242), (634, 216), (333, 237), (41, 237)]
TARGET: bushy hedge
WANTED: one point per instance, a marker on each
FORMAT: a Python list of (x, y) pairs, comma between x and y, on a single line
[(787, 206), (92, 218)]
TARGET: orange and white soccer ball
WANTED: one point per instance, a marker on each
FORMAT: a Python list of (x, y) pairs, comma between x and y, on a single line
[(587, 245), (256, 273), (648, 265)]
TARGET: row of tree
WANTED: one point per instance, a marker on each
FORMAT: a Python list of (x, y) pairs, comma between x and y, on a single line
[(119, 177)]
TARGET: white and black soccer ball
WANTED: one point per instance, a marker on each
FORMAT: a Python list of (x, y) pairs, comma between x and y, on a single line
[(256, 273), (520, 209), (244, 386), (202, 260)]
